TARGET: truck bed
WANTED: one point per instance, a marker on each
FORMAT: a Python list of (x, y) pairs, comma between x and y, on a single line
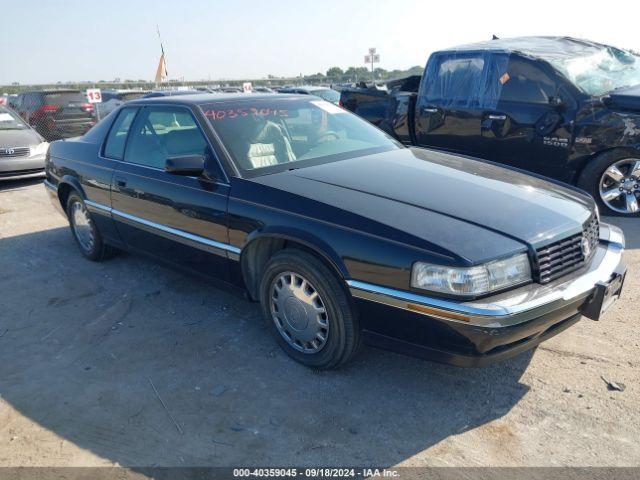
[(390, 108)]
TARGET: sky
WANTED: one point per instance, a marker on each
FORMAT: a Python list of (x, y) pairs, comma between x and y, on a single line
[(48, 41)]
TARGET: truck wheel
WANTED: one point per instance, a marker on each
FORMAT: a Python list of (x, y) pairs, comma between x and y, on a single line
[(84, 231), (308, 311), (613, 179)]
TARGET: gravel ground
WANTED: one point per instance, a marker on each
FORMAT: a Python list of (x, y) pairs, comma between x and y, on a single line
[(84, 347)]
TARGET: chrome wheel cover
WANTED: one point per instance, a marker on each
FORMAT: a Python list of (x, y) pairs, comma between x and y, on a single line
[(299, 312), (619, 186), (82, 226)]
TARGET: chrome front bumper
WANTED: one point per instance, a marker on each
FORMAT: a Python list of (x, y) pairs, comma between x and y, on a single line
[(515, 306), (21, 167)]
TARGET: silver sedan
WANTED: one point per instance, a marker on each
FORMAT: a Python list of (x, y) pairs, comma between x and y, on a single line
[(22, 149)]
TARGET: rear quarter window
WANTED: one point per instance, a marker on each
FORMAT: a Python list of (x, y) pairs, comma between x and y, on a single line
[(114, 147)]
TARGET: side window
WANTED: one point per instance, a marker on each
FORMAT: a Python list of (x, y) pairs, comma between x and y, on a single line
[(17, 102), (525, 82), (114, 148), (454, 80), (162, 132)]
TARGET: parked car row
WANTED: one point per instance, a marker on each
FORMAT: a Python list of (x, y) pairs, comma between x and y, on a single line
[(55, 114), (560, 107)]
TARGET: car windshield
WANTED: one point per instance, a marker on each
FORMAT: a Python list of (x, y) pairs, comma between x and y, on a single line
[(269, 135), (602, 71), (9, 120), (64, 98), (329, 95)]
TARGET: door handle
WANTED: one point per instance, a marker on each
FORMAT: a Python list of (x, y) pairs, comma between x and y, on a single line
[(496, 117), (429, 109)]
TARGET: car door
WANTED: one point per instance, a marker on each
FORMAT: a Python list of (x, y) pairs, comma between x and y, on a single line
[(181, 219), (448, 112), (530, 125), (97, 176)]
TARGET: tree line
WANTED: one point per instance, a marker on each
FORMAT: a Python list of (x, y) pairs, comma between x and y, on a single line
[(359, 74)]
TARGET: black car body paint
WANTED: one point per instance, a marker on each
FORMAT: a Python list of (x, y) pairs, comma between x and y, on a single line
[(368, 217)]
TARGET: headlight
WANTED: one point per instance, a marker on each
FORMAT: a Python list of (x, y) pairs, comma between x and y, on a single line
[(478, 280), (40, 149)]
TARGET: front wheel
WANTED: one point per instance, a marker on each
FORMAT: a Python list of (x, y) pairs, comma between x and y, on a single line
[(613, 179), (308, 311), (84, 230)]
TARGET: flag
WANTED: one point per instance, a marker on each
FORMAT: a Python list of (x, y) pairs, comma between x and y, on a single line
[(161, 72)]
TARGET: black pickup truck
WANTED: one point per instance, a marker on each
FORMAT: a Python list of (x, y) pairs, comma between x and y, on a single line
[(565, 108)]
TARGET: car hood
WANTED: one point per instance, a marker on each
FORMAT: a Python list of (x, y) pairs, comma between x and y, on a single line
[(625, 98), (439, 196), (19, 138)]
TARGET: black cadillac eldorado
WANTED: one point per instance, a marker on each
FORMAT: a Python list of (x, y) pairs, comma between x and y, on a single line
[(341, 233)]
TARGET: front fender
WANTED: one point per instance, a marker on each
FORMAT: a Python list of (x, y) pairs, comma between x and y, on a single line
[(68, 181), (309, 240)]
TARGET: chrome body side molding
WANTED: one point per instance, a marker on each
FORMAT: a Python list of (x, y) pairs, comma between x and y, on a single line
[(186, 238)]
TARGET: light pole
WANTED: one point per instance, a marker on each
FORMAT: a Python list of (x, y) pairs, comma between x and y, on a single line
[(372, 58)]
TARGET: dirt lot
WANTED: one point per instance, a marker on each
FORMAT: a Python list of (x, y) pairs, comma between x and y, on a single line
[(83, 345)]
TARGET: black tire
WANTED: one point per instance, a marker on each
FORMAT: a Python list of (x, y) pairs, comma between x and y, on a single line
[(98, 250), (343, 339), (591, 175)]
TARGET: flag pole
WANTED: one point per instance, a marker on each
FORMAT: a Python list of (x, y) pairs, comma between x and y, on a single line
[(163, 58)]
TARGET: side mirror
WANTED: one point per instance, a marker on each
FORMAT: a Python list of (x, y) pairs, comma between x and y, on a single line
[(556, 102), (188, 165)]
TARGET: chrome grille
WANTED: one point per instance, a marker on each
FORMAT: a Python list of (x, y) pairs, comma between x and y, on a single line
[(569, 254), (9, 152)]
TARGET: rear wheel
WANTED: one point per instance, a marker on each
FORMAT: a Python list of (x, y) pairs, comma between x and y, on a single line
[(308, 311), (613, 179), (84, 230)]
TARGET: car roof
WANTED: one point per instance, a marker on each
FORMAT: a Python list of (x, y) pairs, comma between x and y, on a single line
[(130, 90), (307, 88), (170, 93), (202, 98), (54, 90), (538, 47)]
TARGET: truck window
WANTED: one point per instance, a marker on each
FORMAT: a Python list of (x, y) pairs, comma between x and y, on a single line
[(454, 80), (525, 82)]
